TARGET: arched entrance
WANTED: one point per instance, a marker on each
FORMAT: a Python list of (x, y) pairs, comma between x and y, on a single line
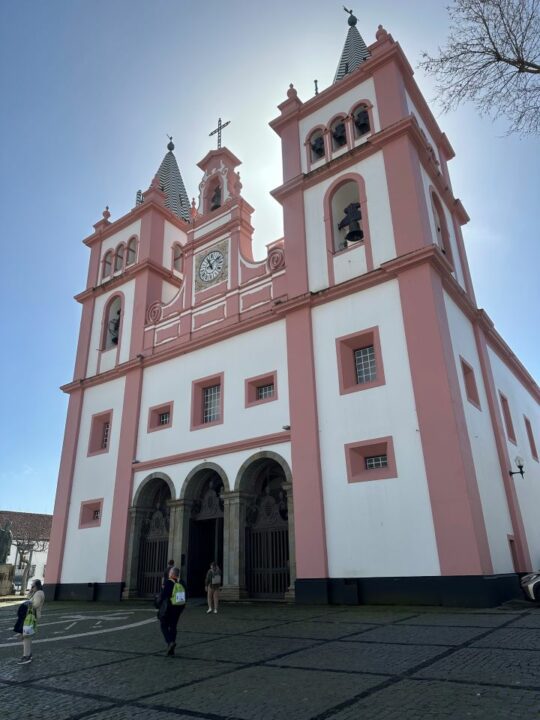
[(205, 544), (268, 537), (149, 535)]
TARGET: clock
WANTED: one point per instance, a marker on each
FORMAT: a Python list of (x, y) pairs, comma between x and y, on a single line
[(211, 266)]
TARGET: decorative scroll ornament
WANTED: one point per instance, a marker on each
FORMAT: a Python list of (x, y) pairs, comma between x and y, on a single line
[(210, 504), (276, 259), (158, 526), (153, 314)]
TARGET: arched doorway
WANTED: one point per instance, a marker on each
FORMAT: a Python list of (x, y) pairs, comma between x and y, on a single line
[(268, 543), (205, 543), (149, 539)]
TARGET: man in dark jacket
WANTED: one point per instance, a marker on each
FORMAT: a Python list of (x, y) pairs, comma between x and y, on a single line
[(169, 614)]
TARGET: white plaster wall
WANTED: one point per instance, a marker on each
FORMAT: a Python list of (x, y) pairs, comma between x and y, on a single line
[(458, 270), (522, 403), (244, 356), (168, 292), (342, 104), (482, 439), (39, 559), (230, 463), (108, 359), (379, 215), (380, 527), (213, 225), (86, 550), (414, 111), (172, 235), (350, 264)]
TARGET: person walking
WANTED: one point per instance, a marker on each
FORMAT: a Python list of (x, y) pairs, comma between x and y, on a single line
[(172, 602), (34, 603), (212, 584), (166, 572)]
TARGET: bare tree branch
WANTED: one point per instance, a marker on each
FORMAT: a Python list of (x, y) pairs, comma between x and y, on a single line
[(492, 58)]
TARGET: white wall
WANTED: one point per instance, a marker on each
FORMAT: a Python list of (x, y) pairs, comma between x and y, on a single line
[(378, 211), (86, 550), (342, 104), (172, 235), (39, 559), (482, 439), (108, 359), (522, 403), (414, 111), (380, 527), (247, 355)]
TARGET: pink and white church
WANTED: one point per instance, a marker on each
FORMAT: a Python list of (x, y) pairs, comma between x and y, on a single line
[(335, 423)]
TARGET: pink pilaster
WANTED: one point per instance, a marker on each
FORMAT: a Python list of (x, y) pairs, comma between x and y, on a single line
[(123, 480), (63, 489), (458, 519), (310, 532)]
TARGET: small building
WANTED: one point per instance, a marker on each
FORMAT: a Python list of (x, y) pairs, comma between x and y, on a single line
[(31, 533), (336, 422)]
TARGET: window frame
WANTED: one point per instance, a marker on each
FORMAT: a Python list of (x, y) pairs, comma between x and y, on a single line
[(530, 436), (357, 452), (197, 399), (346, 366), (95, 439), (131, 247), (154, 413), (507, 418), (87, 511), (250, 389), (469, 381)]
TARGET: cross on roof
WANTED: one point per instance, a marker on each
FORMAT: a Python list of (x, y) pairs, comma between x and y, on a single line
[(218, 130)]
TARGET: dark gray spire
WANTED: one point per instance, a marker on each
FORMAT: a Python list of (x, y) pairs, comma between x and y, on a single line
[(355, 51), (173, 185)]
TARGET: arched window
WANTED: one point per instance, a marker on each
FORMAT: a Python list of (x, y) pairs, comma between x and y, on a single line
[(214, 195), (131, 251), (346, 211), (316, 145), (441, 228), (107, 264), (177, 257), (119, 258), (111, 323), (338, 132), (361, 121)]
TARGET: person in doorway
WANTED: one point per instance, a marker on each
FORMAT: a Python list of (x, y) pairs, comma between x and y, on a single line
[(166, 572), (34, 603), (172, 602), (212, 585)]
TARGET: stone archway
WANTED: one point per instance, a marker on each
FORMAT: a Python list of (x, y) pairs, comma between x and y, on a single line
[(265, 528), (198, 521), (149, 536)]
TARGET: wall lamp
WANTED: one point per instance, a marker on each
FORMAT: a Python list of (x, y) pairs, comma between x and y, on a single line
[(519, 463)]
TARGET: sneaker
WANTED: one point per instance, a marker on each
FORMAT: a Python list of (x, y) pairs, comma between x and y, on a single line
[(25, 660), (209, 611), (215, 612)]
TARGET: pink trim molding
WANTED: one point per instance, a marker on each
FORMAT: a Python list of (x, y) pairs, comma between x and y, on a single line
[(97, 429), (357, 452), (507, 415), (197, 395), (87, 513), (470, 383), (345, 347), (251, 385), (530, 436), (154, 413)]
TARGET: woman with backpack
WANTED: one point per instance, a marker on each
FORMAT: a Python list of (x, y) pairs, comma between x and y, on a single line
[(28, 614), (212, 584), (172, 601)]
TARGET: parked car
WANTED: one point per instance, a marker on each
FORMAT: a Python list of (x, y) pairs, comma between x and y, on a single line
[(531, 586)]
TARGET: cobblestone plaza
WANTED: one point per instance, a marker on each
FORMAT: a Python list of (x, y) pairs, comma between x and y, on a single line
[(275, 661)]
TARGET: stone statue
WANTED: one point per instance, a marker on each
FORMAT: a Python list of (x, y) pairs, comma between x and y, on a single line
[(114, 327), (6, 540), (352, 218)]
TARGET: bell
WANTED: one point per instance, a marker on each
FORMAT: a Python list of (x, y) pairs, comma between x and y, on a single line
[(362, 122), (317, 146), (354, 235), (339, 134)]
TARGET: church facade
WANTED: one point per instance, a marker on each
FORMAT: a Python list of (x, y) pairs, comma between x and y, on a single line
[(338, 422)]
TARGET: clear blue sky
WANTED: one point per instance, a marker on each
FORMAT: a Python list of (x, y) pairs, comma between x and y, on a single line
[(88, 90)]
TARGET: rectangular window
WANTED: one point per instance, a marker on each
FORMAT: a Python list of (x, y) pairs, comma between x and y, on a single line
[(530, 435), (211, 403), (510, 433), (261, 389), (90, 513), (265, 391), (376, 461), (470, 383), (100, 433), (364, 362), (359, 361), (207, 401), (160, 417), (370, 460)]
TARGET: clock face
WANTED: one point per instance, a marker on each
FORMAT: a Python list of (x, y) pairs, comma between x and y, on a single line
[(211, 266)]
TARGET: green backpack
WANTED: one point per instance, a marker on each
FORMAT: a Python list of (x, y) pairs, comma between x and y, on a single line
[(178, 596)]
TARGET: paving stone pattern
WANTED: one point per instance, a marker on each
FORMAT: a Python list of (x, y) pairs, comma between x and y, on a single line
[(277, 662)]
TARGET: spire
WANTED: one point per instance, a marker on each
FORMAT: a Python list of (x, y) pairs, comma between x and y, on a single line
[(354, 52), (173, 185)]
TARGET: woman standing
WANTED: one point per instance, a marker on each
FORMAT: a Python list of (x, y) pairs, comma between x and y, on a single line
[(212, 585), (35, 600), (172, 602)]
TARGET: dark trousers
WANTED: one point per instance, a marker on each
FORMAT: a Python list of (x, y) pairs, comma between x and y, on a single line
[(169, 622)]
